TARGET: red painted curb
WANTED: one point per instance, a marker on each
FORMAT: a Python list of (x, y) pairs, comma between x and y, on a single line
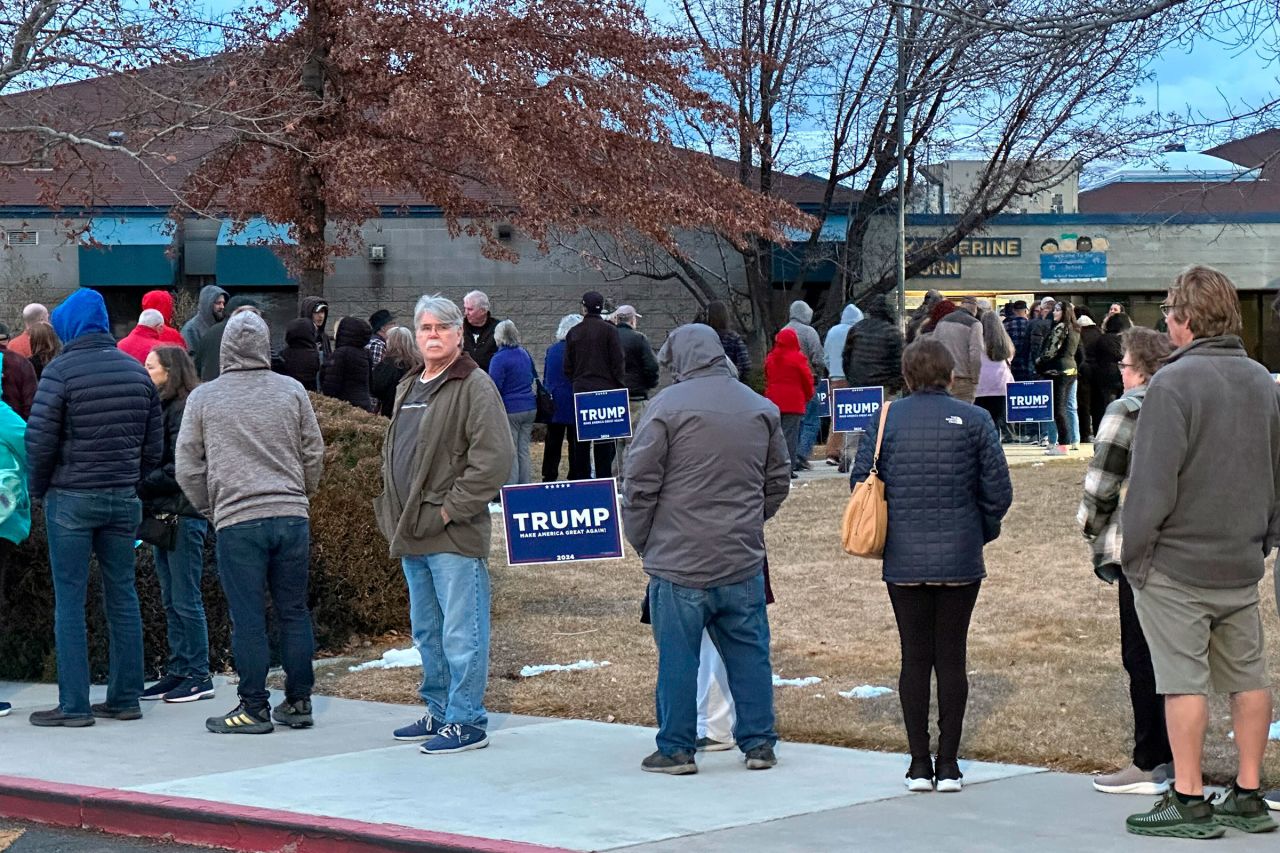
[(232, 827)]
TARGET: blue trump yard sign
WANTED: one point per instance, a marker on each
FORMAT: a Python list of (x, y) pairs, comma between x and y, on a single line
[(1026, 402), (602, 415), (856, 408), (562, 522), (823, 392)]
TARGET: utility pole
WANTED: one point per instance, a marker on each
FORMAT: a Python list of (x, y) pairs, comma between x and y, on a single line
[(902, 165)]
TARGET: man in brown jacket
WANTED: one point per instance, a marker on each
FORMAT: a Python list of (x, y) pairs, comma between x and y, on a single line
[(961, 333), (447, 452)]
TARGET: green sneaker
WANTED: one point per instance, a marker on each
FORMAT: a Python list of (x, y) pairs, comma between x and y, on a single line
[(1245, 812), (1171, 819)]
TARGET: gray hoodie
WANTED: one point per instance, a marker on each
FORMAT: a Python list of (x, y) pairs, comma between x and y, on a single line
[(1203, 505), (810, 343), (707, 466), (249, 446), (193, 330), (836, 336)]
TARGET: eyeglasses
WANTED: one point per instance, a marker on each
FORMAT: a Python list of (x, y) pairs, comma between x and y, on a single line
[(1166, 309), (1125, 364), (439, 328)]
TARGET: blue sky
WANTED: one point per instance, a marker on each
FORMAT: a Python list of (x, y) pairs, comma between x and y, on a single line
[(1208, 78)]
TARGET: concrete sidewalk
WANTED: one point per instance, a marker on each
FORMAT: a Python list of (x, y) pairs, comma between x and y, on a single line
[(543, 783)]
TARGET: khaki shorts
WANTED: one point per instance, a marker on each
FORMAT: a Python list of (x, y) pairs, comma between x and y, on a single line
[(1202, 638)]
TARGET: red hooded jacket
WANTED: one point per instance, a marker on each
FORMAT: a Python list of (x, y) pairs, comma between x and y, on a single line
[(788, 381), (162, 301)]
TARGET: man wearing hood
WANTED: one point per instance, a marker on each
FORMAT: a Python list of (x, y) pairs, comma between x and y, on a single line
[(696, 513), (833, 347), (162, 301), (811, 346), (207, 355), (961, 333), (95, 432), (213, 303), (251, 468), (316, 310)]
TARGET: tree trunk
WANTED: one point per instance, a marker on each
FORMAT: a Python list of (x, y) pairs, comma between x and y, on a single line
[(312, 255)]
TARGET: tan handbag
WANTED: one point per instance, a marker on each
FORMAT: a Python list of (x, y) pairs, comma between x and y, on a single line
[(866, 518)]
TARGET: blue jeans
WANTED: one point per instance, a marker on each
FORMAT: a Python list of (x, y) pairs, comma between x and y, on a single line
[(102, 522), (179, 572), (1073, 415), (449, 615), (275, 554), (809, 428), (734, 617)]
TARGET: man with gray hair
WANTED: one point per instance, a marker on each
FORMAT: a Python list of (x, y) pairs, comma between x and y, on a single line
[(447, 452), (145, 336), (477, 329), (31, 315)]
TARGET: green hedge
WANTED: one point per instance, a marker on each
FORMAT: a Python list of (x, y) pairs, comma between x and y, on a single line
[(355, 588)]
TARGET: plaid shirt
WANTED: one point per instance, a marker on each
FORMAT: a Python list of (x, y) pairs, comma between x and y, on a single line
[(1098, 515), (376, 347), (1019, 332)]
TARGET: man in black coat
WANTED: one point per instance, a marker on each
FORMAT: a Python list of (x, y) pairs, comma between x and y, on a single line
[(477, 329), (593, 361)]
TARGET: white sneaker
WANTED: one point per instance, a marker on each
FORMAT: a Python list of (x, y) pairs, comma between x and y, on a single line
[(1131, 780), (950, 786)]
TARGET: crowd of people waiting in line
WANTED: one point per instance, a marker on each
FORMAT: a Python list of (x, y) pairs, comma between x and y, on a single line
[(126, 440)]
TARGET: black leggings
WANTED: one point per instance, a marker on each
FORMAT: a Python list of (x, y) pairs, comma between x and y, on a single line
[(1062, 388), (933, 627), (1150, 738), (551, 450)]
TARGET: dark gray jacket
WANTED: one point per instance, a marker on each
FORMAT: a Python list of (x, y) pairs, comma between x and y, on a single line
[(707, 466), (1203, 505)]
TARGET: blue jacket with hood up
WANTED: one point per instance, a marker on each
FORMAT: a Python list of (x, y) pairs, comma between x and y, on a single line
[(96, 421)]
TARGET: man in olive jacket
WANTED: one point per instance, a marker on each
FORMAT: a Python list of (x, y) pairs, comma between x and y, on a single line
[(447, 452), (707, 467)]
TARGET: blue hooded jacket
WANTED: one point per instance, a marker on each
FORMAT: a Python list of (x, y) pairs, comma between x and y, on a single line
[(95, 422)]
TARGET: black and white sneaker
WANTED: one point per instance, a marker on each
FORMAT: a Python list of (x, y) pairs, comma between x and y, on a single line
[(241, 720), (920, 775), (5, 709), (761, 757), (949, 778), (156, 691), (679, 764), (191, 690)]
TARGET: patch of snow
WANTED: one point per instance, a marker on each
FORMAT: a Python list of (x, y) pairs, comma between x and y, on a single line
[(865, 691), (539, 669), (779, 681), (391, 659)]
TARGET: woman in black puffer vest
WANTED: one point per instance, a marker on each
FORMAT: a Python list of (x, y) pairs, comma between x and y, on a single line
[(299, 359), (348, 372)]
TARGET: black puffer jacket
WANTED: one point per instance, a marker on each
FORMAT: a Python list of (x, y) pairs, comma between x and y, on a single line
[(299, 359), (348, 373), (159, 490), (1105, 355), (947, 485), (873, 355), (95, 422)]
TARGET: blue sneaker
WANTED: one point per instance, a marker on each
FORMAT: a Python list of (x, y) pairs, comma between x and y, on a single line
[(418, 730), (5, 708), (455, 737)]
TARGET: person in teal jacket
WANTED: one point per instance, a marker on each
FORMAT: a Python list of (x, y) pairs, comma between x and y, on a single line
[(15, 503)]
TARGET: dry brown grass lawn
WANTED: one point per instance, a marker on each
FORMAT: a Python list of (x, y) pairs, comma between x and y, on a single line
[(1046, 684)]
